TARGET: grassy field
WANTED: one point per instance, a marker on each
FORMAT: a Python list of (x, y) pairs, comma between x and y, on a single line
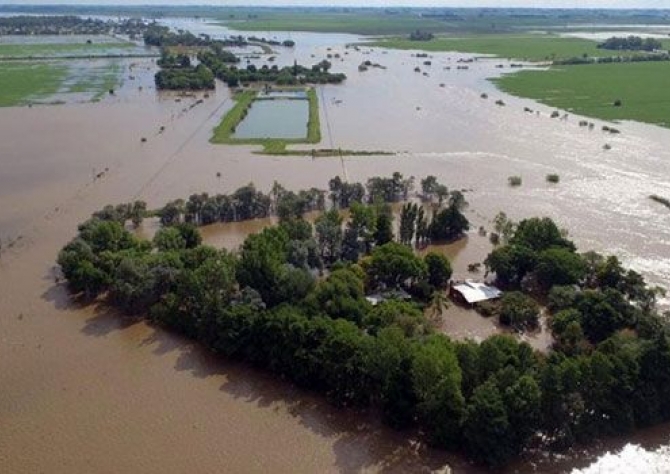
[(592, 89), (362, 23), (60, 49), (224, 132), (524, 47), (22, 82)]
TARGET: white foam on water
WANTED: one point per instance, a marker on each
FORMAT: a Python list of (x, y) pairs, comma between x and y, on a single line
[(631, 459)]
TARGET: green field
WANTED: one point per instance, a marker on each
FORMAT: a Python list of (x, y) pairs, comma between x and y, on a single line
[(522, 47), (362, 23), (592, 89), (23, 82), (223, 133), (60, 49)]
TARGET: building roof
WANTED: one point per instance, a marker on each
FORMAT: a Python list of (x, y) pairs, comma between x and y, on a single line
[(474, 291), (377, 298)]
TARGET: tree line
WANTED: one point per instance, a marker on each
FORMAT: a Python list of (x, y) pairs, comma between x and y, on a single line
[(292, 301), (68, 25), (631, 43), (233, 76)]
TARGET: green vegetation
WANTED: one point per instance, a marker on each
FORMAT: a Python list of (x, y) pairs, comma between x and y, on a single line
[(514, 181), (223, 133), (530, 47), (553, 178), (177, 73), (362, 23), (42, 50), (24, 83), (222, 65), (21, 83), (592, 90), (631, 43), (35, 25), (609, 371)]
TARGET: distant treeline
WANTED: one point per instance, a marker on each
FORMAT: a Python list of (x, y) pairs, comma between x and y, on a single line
[(69, 25), (270, 306), (163, 36), (640, 58), (631, 43)]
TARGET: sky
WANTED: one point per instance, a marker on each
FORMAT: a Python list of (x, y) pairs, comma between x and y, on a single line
[(371, 3)]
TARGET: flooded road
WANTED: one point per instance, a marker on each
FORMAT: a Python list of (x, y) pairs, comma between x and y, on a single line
[(86, 391)]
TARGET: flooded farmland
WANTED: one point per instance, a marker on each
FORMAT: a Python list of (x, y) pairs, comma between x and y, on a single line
[(85, 390)]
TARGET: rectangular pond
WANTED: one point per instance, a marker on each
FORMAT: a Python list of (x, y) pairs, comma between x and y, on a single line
[(276, 118)]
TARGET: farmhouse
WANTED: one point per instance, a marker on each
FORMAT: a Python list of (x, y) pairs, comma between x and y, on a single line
[(472, 292)]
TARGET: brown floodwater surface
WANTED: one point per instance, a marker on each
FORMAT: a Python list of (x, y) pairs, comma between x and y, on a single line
[(84, 390)]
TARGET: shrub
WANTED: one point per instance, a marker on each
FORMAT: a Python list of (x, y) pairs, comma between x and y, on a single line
[(488, 308), (514, 181), (553, 178), (518, 310)]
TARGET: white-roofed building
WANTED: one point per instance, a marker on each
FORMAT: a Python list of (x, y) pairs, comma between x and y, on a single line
[(473, 292)]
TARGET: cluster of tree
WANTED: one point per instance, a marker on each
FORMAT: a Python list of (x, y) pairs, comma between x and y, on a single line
[(290, 75), (264, 305), (631, 43), (371, 219), (177, 73), (134, 212), (68, 25), (245, 203), (638, 58), (163, 36), (419, 35), (286, 43), (271, 304)]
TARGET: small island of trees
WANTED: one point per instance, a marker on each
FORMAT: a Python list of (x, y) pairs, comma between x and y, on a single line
[(419, 35), (631, 43), (214, 61), (292, 300), (217, 61), (177, 73)]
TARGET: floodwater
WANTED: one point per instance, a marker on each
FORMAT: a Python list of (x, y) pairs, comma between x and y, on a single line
[(84, 390), (275, 118)]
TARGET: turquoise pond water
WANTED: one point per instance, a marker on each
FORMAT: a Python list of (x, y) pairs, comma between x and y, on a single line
[(279, 118)]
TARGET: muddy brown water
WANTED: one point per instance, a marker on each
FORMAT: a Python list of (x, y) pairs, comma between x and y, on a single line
[(84, 390)]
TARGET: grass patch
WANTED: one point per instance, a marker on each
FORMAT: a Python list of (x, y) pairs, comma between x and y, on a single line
[(60, 49), (527, 47), (359, 22), (591, 90), (224, 132), (21, 83)]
